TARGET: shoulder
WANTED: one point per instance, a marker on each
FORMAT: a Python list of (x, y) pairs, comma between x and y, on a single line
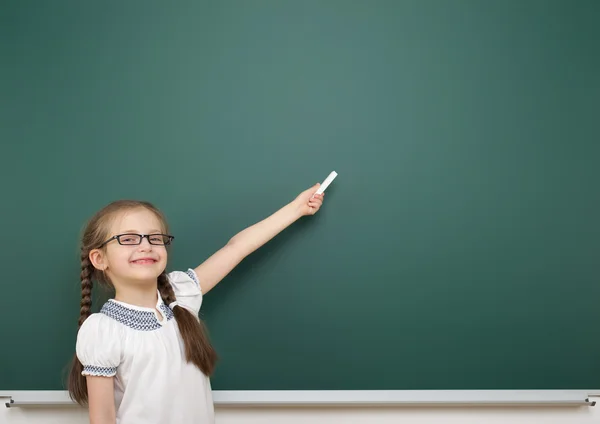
[(98, 325), (184, 282), (187, 289)]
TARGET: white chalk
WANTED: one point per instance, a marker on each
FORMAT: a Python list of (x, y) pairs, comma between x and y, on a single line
[(326, 183)]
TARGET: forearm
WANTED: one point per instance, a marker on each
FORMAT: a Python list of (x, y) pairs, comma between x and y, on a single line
[(250, 239)]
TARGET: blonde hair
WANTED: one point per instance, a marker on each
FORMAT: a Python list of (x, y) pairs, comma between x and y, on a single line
[(198, 349)]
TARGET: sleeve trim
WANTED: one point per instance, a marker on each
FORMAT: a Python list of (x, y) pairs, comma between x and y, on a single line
[(99, 371), (192, 274)]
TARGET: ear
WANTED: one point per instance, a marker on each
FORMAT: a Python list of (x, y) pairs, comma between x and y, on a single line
[(98, 259)]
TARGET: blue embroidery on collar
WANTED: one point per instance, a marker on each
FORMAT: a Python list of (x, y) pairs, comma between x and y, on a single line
[(134, 318)]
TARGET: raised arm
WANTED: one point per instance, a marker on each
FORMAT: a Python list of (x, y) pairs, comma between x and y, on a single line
[(222, 262)]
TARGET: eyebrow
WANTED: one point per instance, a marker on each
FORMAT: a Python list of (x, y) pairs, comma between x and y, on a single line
[(136, 231)]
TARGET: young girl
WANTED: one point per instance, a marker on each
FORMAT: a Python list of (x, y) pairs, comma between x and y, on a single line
[(146, 357)]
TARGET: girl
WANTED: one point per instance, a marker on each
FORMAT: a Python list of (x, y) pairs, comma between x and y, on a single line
[(146, 356)]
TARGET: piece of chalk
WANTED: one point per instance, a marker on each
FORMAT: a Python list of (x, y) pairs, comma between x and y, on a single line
[(326, 183)]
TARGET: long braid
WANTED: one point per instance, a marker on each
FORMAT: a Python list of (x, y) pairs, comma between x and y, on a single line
[(198, 349), (87, 285), (166, 290), (77, 382)]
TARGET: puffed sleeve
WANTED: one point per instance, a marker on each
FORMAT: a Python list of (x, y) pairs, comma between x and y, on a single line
[(187, 289), (98, 346)]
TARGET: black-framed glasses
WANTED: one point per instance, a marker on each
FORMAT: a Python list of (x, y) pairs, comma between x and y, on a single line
[(132, 239)]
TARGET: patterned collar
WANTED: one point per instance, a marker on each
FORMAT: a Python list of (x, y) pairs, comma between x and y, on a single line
[(137, 317)]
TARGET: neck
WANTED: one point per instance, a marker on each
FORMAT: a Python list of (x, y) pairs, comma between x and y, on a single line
[(144, 295)]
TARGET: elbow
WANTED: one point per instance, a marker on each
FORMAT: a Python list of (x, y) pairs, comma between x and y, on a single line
[(233, 244), (239, 249)]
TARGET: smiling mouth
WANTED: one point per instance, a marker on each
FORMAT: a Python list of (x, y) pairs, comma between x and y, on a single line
[(144, 261)]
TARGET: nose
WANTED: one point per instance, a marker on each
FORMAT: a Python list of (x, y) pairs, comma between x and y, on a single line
[(145, 244)]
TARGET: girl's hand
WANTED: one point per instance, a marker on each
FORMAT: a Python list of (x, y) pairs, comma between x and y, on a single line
[(307, 203)]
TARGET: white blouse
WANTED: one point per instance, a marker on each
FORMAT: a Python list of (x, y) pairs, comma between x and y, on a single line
[(144, 351)]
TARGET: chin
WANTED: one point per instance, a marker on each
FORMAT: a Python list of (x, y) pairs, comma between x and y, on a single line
[(145, 275)]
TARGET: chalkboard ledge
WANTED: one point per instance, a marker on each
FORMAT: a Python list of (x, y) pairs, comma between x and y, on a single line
[(315, 398)]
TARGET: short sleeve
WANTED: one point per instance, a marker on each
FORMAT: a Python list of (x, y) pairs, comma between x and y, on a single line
[(187, 289), (98, 346)]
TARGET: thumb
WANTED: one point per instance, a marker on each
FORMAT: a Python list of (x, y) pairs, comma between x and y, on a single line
[(314, 189)]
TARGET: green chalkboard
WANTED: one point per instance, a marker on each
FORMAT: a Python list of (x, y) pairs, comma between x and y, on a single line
[(457, 249)]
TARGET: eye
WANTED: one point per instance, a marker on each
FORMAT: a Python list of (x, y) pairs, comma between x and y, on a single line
[(129, 239)]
